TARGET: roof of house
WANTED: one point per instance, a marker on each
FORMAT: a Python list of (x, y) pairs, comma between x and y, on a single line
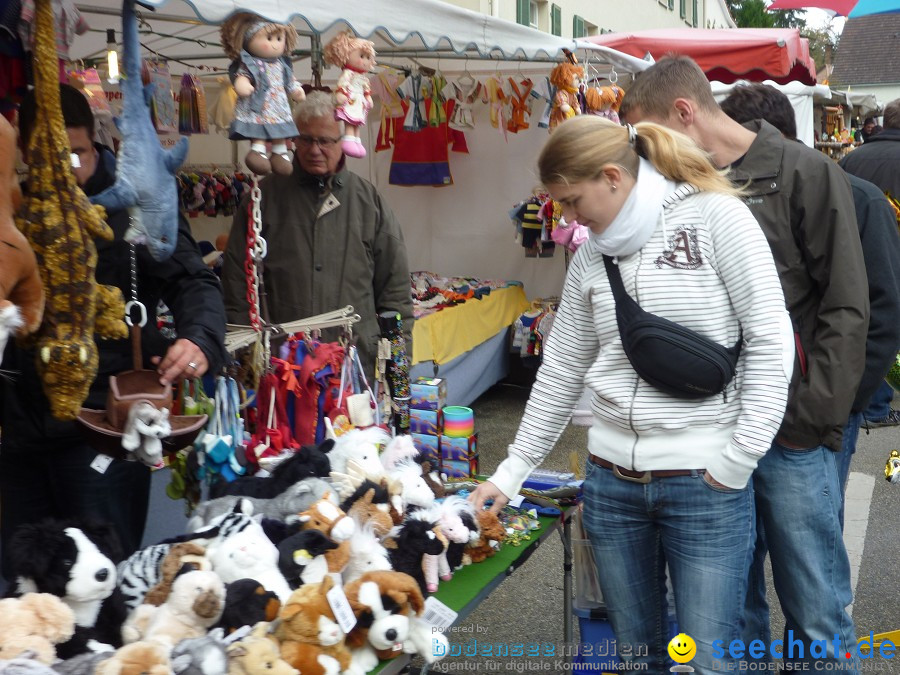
[(869, 51)]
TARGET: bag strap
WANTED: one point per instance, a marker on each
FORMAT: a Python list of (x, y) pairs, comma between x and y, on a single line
[(615, 279)]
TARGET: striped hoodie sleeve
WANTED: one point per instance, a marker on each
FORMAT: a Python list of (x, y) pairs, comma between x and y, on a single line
[(569, 352), (744, 262)]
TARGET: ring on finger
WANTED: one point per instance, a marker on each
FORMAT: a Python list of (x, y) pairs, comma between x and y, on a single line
[(192, 365)]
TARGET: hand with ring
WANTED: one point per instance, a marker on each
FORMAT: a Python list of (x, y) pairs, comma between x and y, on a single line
[(183, 359)]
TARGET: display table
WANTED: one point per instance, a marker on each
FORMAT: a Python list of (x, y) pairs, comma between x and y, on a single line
[(473, 583)]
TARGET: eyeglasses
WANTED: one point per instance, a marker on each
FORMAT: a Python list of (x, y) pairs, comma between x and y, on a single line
[(324, 143)]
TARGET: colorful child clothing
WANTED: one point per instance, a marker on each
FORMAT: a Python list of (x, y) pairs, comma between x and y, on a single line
[(520, 104), (68, 24), (384, 87), (415, 89), (463, 93)]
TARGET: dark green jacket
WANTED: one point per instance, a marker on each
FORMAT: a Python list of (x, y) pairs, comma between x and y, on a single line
[(351, 253), (804, 204)]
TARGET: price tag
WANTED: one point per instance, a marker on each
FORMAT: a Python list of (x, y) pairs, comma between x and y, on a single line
[(341, 608), (516, 501), (438, 614), (101, 463)]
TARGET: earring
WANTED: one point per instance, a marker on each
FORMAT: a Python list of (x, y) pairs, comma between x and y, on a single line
[(613, 187)]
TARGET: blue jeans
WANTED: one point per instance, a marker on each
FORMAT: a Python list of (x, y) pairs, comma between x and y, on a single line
[(880, 403), (703, 533), (848, 448), (798, 499)]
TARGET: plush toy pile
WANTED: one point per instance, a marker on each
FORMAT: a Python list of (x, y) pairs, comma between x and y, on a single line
[(250, 588)]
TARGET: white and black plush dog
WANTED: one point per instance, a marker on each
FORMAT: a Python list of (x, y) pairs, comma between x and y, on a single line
[(77, 563)]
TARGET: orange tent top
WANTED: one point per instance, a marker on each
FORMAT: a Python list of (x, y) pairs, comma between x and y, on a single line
[(725, 54)]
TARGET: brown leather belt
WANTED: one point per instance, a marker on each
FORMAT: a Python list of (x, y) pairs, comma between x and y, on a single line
[(642, 476)]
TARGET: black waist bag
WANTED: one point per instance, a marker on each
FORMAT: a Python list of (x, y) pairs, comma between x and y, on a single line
[(672, 358)]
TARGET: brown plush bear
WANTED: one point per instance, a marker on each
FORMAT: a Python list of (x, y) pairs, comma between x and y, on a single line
[(138, 658), (257, 654)]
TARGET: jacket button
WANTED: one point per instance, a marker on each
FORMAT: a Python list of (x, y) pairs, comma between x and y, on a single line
[(318, 268), (773, 185)]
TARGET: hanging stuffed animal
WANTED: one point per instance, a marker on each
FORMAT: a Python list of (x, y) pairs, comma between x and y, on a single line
[(353, 96), (566, 77), (263, 79), (21, 292), (604, 101)]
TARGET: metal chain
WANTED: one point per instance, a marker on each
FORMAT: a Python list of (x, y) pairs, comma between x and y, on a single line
[(133, 301), (256, 253)]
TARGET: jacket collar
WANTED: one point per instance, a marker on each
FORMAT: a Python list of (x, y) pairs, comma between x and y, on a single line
[(886, 135), (764, 158), (324, 183)]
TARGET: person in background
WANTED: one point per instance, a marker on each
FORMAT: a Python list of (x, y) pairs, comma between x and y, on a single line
[(878, 162), (804, 204), (881, 252), (47, 470), (667, 478), (869, 129), (332, 239)]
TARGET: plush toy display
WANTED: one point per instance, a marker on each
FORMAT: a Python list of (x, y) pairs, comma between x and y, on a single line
[(450, 518), (604, 101), (360, 446), (370, 504), (257, 654), (410, 541), (311, 639), (297, 498), (566, 77), (76, 564), (138, 658), (247, 603), (309, 460), (383, 603), (32, 625), (415, 492), (263, 78), (193, 607), (353, 97), (491, 533), (21, 292)]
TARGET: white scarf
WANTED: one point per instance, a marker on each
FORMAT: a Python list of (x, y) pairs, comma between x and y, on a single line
[(636, 221)]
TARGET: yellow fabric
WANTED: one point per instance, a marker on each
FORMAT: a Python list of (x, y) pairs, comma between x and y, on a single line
[(444, 335)]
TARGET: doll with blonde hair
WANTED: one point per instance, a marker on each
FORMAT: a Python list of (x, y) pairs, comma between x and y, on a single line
[(263, 79), (353, 98)]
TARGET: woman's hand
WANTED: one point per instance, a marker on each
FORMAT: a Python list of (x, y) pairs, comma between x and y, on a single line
[(485, 492)]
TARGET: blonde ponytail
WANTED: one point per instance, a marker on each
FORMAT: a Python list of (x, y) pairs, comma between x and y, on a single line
[(579, 148)]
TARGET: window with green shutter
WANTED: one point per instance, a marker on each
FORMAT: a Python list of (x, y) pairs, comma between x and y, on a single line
[(523, 12), (556, 20), (578, 27), (671, 5), (682, 8), (696, 16)]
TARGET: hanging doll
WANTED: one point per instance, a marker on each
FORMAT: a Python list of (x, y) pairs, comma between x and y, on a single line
[(263, 79), (566, 77), (604, 101), (352, 96)]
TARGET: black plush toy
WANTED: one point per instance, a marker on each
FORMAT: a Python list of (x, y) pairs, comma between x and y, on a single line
[(310, 460), (76, 561), (246, 604), (408, 543), (298, 554)]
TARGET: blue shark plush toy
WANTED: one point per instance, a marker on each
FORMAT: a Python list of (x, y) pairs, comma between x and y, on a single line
[(145, 174)]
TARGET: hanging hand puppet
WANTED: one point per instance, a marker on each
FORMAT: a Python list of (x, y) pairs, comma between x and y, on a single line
[(21, 292), (59, 222), (145, 172), (353, 96), (263, 79), (566, 77)]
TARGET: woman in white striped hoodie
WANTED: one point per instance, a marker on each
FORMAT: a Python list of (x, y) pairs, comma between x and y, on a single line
[(667, 480)]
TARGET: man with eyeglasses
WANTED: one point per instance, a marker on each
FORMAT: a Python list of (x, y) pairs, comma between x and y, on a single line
[(332, 239)]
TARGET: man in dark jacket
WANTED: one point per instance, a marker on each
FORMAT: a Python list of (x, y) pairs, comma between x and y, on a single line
[(881, 251), (804, 205), (332, 240), (878, 162), (47, 470)]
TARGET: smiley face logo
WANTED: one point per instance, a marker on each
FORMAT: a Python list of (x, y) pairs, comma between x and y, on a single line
[(682, 648)]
